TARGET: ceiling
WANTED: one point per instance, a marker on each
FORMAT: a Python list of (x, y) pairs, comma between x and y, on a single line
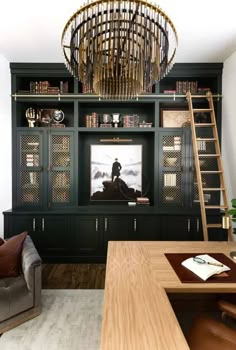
[(30, 31)]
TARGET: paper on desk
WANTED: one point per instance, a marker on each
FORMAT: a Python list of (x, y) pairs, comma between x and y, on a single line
[(204, 271)]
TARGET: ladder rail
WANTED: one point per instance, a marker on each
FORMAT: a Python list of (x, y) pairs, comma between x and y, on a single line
[(216, 155), (197, 168), (218, 150)]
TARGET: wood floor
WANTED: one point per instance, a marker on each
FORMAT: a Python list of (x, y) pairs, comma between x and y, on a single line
[(73, 276)]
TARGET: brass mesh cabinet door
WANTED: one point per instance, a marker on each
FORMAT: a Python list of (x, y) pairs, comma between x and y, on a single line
[(29, 174), (171, 180), (61, 169)]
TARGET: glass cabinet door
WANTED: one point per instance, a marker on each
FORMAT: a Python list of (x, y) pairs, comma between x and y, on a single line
[(29, 169), (60, 168)]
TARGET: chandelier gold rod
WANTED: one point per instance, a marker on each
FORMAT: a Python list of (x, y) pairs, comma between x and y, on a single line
[(119, 49), (97, 2)]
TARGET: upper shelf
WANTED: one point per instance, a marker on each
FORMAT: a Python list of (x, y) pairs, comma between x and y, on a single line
[(53, 81)]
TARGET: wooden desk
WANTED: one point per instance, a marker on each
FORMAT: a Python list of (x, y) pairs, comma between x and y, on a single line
[(137, 314)]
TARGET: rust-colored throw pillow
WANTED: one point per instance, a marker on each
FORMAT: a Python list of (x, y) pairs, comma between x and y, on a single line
[(1, 241), (10, 255)]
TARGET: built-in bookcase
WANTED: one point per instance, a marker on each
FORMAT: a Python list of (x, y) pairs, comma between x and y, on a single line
[(55, 169)]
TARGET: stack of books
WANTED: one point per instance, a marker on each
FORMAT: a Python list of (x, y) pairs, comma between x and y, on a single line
[(92, 120), (143, 201)]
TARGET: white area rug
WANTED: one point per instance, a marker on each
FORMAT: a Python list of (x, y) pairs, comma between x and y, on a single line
[(70, 320)]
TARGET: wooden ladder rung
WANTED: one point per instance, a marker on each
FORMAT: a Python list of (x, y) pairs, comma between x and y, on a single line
[(214, 225), (215, 155), (213, 189), (196, 110), (206, 140), (216, 206), (211, 171), (204, 125)]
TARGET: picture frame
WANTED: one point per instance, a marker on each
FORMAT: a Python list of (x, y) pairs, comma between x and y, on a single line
[(174, 118), (115, 172)]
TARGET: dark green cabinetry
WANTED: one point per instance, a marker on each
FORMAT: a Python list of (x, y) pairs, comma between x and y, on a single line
[(177, 177), (51, 178), (131, 227), (15, 223), (56, 234), (52, 233), (181, 228), (45, 169), (88, 235)]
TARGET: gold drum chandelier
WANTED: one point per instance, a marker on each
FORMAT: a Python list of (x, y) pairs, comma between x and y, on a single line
[(119, 49)]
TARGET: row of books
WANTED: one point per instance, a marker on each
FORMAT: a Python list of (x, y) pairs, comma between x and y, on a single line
[(44, 87), (92, 121), (170, 180), (182, 87)]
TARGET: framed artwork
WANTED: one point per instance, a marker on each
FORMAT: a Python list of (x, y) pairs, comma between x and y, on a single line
[(174, 118), (115, 172)]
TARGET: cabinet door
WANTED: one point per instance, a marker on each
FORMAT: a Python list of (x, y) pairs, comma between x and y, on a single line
[(145, 228), (17, 223), (61, 166), (179, 228), (56, 234), (116, 228), (172, 178), (29, 169), (87, 234)]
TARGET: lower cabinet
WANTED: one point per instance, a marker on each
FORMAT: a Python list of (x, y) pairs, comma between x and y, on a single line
[(87, 235), (57, 234), (76, 237), (181, 228), (93, 232), (189, 228), (145, 228), (17, 223), (52, 234), (115, 228), (135, 227)]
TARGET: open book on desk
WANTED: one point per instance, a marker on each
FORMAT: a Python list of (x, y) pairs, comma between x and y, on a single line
[(204, 266)]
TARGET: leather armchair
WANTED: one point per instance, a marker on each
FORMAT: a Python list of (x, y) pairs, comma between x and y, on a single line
[(20, 296), (207, 333)]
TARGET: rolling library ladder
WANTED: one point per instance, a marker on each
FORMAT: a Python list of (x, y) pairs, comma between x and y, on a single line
[(208, 141)]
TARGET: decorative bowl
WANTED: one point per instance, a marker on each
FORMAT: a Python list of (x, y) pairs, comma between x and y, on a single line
[(171, 161)]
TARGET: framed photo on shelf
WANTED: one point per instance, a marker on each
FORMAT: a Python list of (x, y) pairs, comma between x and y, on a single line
[(115, 172), (174, 118)]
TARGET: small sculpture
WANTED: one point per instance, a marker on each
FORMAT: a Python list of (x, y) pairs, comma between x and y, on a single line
[(30, 116)]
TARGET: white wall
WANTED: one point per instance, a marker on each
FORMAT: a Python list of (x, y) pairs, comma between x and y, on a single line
[(229, 125), (5, 139)]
